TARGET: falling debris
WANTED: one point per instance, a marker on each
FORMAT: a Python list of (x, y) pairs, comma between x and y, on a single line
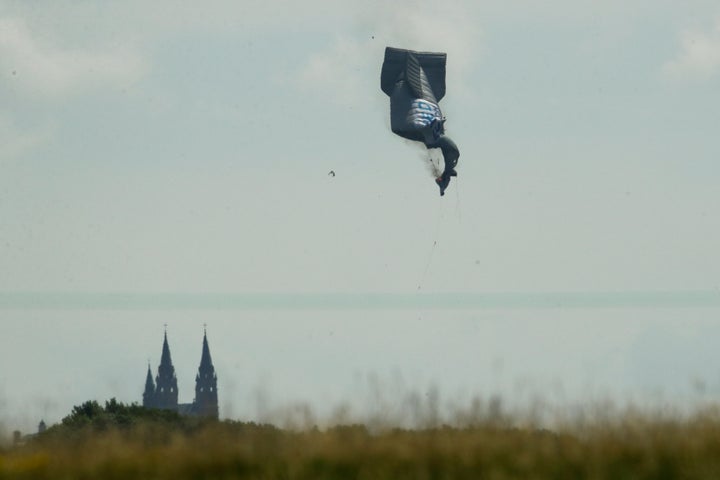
[(415, 83)]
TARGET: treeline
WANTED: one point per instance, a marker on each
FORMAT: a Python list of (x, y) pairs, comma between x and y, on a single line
[(118, 441), (117, 415), (134, 422)]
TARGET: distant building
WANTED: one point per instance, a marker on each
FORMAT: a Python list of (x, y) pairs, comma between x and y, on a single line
[(163, 392), (20, 439)]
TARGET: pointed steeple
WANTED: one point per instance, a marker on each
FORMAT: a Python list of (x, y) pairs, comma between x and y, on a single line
[(165, 359), (206, 401), (205, 359), (149, 393), (166, 391)]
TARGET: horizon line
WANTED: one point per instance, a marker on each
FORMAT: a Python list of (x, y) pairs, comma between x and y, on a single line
[(44, 300)]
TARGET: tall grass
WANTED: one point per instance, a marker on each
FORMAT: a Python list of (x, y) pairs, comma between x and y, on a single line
[(626, 445)]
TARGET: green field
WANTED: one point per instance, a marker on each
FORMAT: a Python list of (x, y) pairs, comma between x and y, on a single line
[(128, 442)]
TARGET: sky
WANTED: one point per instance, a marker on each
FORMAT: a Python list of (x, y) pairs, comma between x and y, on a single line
[(175, 157)]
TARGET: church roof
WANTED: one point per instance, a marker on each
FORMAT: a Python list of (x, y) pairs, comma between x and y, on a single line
[(186, 409)]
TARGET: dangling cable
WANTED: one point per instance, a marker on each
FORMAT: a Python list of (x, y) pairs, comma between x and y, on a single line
[(432, 249)]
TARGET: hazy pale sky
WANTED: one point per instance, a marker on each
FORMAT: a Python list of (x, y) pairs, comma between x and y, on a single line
[(172, 148)]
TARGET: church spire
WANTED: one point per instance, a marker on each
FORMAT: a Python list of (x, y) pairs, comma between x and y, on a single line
[(205, 359), (165, 358), (166, 392), (206, 400), (149, 393)]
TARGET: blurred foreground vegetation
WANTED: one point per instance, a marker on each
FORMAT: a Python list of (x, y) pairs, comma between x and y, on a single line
[(118, 441)]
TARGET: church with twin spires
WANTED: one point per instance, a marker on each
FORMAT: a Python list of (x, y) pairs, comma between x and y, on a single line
[(163, 392)]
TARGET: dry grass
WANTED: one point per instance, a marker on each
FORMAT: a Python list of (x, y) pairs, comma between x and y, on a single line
[(629, 446)]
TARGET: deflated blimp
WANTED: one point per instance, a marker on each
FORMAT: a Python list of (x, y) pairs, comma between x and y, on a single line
[(415, 83)]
